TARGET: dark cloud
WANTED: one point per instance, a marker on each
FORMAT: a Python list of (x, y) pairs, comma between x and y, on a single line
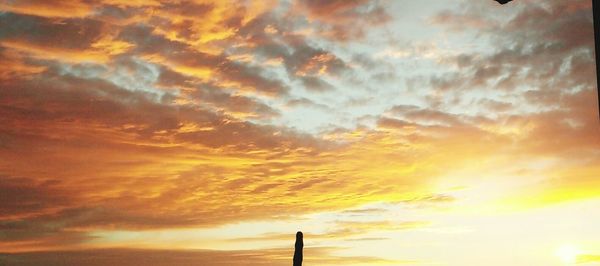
[(43, 32), (316, 84), (301, 60), (252, 76), (461, 21), (307, 60), (539, 56), (400, 109), (572, 127), (212, 96), (424, 115), (536, 38), (180, 55), (386, 122), (344, 20), (22, 196), (50, 228), (59, 100), (52, 117)]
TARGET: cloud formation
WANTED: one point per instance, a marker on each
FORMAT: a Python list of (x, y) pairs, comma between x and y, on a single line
[(134, 116)]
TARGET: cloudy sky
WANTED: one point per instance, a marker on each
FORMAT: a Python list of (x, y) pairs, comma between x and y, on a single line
[(208, 132)]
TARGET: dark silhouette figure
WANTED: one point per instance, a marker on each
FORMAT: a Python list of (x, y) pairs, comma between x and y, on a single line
[(503, 1), (298, 249)]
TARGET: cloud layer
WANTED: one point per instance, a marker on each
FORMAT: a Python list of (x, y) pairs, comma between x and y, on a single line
[(120, 115)]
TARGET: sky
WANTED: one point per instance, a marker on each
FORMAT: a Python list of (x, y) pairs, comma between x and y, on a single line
[(208, 132)]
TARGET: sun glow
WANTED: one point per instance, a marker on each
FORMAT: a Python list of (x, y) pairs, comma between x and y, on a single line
[(568, 254)]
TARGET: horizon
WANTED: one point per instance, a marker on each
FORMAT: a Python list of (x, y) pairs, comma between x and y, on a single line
[(209, 132)]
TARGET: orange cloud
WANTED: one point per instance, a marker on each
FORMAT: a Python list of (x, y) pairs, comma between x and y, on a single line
[(49, 8), (192, 143)]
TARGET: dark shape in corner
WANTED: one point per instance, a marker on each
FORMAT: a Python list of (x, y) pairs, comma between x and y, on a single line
[(298, 249), (596, 12), (503, 1)]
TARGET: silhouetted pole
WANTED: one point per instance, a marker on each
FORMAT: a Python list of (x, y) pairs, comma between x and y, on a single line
[(595, 7), (298, 249)]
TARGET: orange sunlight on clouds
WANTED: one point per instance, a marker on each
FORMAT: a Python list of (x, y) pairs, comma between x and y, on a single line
[(209, 132)]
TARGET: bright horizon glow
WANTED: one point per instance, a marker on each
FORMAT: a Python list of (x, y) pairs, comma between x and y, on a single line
[(568, 253)]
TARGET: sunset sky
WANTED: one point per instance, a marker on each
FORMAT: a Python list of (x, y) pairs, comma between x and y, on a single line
[(206, 132)]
